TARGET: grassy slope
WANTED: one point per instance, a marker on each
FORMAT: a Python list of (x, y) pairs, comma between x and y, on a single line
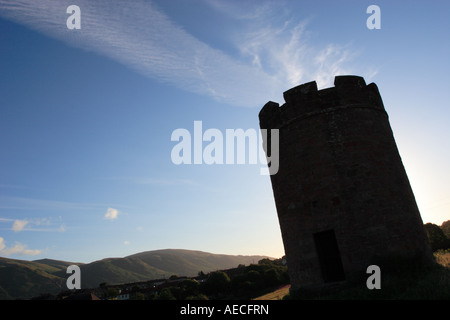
[(189, 263), (278, 294), (27, 278), (118, 270)]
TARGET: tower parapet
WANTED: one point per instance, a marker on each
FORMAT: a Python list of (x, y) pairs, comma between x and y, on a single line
[(306, 100)]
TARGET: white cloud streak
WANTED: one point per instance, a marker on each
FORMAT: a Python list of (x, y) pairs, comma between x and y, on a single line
[(155, 181), (35, 224), (17, 249), (280, 45), (139, 35), (21, 203)]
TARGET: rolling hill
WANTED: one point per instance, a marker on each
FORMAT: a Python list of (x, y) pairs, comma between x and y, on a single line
[(20, 279), (25, 279)]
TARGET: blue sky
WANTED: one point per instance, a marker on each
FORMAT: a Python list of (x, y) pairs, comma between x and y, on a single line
[(86, 116)]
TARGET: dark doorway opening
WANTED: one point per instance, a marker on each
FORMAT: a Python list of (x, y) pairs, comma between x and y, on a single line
[(329, 256)]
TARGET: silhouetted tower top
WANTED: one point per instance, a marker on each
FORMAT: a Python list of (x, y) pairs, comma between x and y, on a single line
[(306, 100), (342, 194)]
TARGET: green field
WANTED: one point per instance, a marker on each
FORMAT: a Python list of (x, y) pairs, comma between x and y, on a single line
[(278, 294)]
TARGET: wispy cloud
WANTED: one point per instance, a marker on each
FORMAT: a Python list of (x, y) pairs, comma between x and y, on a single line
[(17, 249), (152, 181), (284, 49), (155, 181), (35, 224), (280, 44), (141, 36), (246, 10), (22, 203), (169, 182), (18, 225), (111, 214), (11, 186), (49, 224)]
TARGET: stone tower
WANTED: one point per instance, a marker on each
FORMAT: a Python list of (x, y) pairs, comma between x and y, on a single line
[(342, 194)]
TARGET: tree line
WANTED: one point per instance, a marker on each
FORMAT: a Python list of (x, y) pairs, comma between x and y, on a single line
[(243, 282), (439, 236)]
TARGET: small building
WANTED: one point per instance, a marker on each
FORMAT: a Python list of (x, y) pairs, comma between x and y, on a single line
[(124, 295)]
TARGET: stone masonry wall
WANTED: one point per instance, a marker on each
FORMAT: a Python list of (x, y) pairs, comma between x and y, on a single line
[(340, 170)]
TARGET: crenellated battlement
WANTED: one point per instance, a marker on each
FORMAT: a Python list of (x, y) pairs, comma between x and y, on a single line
[(306, 100)]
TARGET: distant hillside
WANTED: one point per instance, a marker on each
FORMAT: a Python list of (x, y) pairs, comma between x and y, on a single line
[(189, 263), (26, 279)]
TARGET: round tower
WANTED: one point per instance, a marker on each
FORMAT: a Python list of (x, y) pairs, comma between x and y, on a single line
[(342, 194)]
